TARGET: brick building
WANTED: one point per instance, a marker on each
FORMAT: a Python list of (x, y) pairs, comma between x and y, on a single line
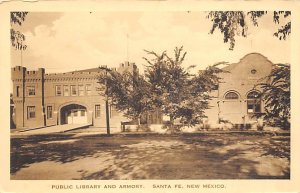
[(41, 99)]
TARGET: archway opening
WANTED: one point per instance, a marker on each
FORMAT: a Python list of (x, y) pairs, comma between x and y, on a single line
[(73, 114)]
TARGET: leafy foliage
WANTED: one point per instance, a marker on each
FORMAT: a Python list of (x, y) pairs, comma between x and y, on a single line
[(166, 86), (276, 94), (16, 37), (128, 92), (233, 23), (178, 93)]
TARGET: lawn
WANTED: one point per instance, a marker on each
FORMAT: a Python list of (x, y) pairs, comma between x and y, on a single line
[(151, 156)]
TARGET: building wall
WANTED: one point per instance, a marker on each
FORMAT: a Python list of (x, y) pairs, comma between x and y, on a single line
[(240, 78), (46, 96)]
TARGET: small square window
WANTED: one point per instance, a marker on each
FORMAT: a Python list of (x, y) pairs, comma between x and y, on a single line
[(31, 90)]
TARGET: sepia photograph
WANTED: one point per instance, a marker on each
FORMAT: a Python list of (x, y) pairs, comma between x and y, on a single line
[(149, 96), (145, 95)]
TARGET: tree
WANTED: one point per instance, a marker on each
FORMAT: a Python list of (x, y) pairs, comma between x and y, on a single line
[(178, 93), (276, 95), (128, 92), (233, 23), (17, 38), (166, 86)]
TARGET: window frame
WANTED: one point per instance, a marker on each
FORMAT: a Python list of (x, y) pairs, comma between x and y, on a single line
[(76, 92), (88, 89), (18, 91), (81, 89), (58, 92), (30, 91), (64, 90), (254, 102), (97, 111), (231, 98), (30, 110), (49, 112)]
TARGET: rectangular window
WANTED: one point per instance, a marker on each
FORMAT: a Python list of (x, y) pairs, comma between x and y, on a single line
[(18, 91), (88, 89), (82, 113), (81, 90), (58, 90), (73, 90), (30, 90), (112, 111), (97, 111), (66, 90), (30, 112), (253, 106), (49, 112)]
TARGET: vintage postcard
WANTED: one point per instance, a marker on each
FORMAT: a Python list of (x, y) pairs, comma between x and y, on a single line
[(149, 96)]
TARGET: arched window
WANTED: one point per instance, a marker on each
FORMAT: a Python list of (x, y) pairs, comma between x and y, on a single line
[(231, 95), (253, 102)]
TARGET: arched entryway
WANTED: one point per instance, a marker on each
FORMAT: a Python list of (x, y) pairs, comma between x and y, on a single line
[(73, 114)]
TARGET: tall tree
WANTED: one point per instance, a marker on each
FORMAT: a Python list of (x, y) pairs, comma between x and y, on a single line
[(276, 95), (17, 38), (178, 93), (234, 23)]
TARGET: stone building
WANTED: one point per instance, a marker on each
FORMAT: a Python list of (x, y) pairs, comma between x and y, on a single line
[(63, 98)]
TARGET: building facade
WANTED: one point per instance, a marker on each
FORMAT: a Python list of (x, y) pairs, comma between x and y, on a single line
[(41, 99), (237, 99)]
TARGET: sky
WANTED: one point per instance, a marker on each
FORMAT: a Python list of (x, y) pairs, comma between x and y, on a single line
[(62, 42)]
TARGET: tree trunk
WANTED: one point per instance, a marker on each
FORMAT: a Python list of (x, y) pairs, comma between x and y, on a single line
[(172, 129)]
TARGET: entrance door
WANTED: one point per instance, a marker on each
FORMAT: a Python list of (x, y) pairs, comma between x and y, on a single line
[(79, 116), (74, 114)]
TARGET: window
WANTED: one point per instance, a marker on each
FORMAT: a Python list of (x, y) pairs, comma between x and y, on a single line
[(97, 111), (66, 90), (58, 90), (49, 112), (253, 71), (30, 90), (30, 112), (112, 111), (231, 95), (81, 90), (253, 102), (75, 113), (18, 91), (73, 90), (82, 113), (88, 89)]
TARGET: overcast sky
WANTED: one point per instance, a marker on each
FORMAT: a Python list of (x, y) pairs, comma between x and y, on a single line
[(62, 42)]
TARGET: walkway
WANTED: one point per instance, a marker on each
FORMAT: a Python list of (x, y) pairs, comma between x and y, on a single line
[(51, 129)]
